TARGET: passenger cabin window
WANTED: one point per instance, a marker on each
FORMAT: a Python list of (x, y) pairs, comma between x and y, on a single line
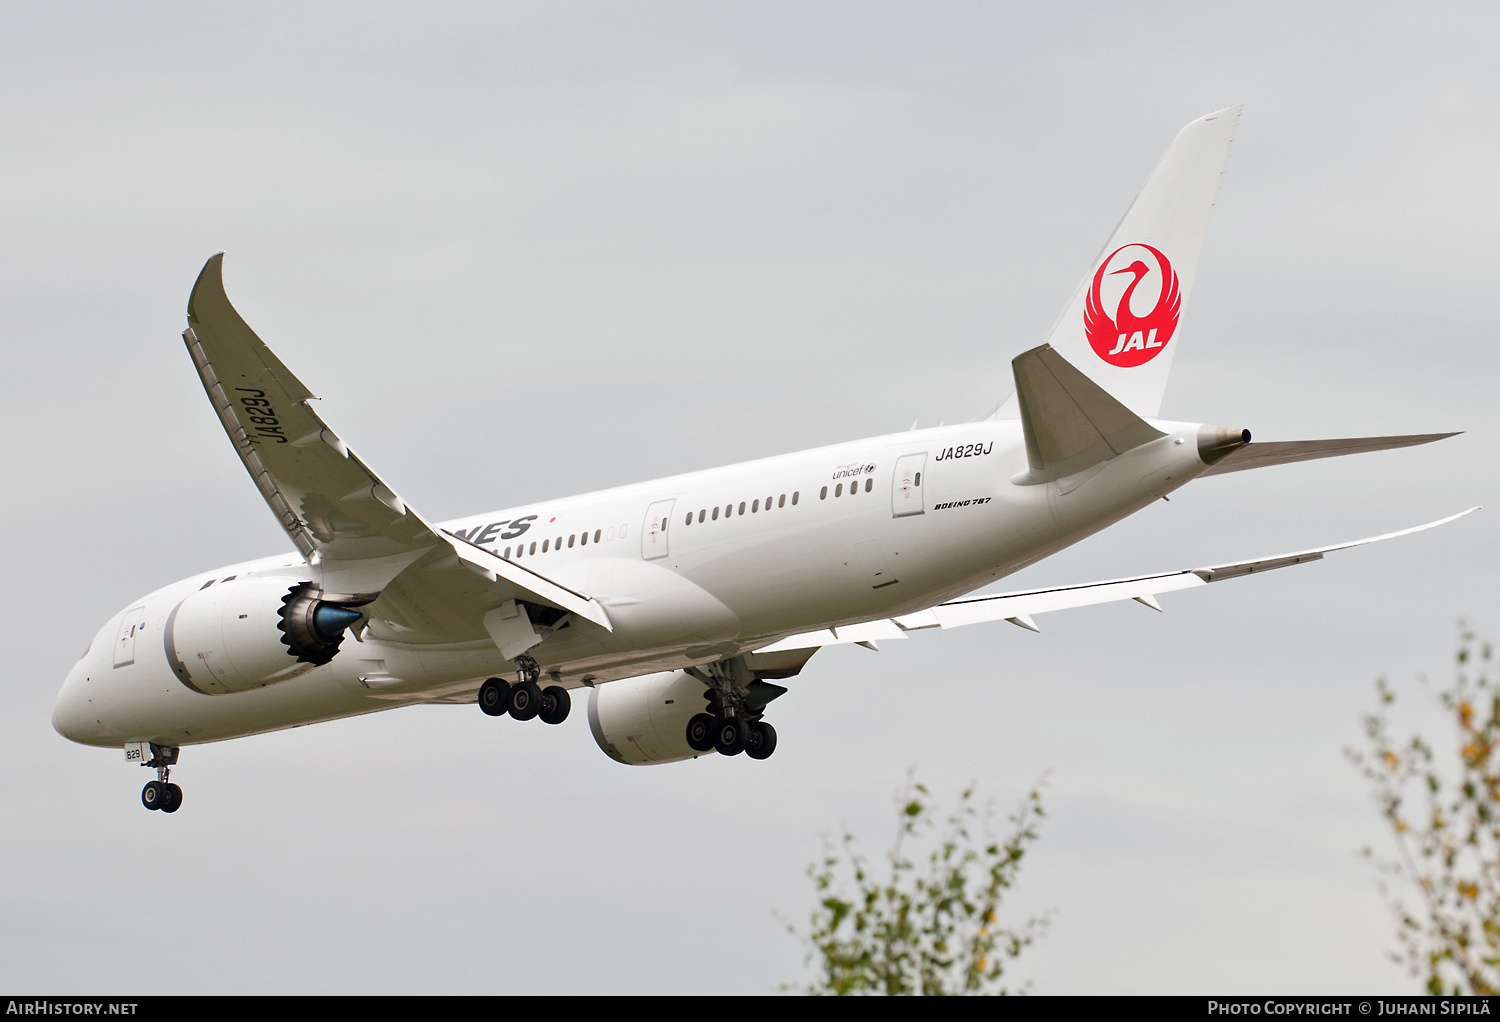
[(838, 491), (570, 542), (755, 506), (701, 514), (544, 545), (782, 501), (583, 540), (596, 535), (506, 555), (795, 495), (821, 496), (869, 484), (742, 507), (533, 548), (716, 514)]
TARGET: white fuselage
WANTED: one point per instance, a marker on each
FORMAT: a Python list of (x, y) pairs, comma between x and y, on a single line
[(775, 547)]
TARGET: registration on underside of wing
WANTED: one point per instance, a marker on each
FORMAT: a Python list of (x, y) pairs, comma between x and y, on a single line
[(1018, 607), (359, 536), (346, 522)]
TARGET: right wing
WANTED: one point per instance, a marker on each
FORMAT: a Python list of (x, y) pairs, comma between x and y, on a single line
[(365, 545), (1284, 452), (1018, 607)]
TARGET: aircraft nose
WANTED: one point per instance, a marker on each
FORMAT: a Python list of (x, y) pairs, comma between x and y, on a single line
[(71, 712)]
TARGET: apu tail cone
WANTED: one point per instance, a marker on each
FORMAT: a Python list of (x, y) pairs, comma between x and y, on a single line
[(1216, 442)]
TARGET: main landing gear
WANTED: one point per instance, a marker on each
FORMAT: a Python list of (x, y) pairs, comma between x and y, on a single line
[(731, 736), (736, 703), (160, 794), (526, 698)]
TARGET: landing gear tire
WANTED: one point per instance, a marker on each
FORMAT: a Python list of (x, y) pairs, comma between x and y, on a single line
[(174, 799), (555, 704), (730, 735), (700, 733), (494, 697), (155, 795), (525, 700), (762, 740)]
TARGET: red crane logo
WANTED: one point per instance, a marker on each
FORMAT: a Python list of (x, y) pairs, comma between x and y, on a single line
[(1128, 339)]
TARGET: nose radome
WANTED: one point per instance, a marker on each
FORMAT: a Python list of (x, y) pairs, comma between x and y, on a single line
[(70, 713)]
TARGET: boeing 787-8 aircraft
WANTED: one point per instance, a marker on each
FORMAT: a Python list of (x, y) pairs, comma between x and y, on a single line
[(679, 603)]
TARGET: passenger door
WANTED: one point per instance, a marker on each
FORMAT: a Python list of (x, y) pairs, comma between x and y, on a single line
[(906, 487), (130, 624), (654, 531)]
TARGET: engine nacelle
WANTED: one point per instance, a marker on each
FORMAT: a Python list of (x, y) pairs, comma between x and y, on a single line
[(644, 720), (249, 633)]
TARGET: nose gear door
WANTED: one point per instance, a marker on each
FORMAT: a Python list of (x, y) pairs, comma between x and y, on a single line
[(654, 531)]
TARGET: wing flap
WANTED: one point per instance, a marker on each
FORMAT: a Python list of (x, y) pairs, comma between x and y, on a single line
[(495, 568)]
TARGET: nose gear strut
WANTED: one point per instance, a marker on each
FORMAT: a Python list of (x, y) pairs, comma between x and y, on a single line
[(160, 793)]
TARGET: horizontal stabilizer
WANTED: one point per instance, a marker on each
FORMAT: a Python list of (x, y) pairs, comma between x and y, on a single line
[(1285, 452), (1019, 606), (1070, 422)]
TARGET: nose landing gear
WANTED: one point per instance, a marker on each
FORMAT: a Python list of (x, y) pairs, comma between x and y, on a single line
[(160, 793)]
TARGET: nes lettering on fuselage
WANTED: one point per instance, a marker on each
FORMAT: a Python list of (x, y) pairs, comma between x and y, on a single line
[(479, 535), (684, 606)]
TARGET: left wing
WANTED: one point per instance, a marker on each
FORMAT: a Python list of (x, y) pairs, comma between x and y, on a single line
[(366, 547), (1018, 607)]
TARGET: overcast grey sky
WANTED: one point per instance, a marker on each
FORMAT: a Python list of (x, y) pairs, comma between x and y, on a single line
[(526, 250)]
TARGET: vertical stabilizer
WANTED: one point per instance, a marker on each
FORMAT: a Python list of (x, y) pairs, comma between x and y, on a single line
[(1121, 326)]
